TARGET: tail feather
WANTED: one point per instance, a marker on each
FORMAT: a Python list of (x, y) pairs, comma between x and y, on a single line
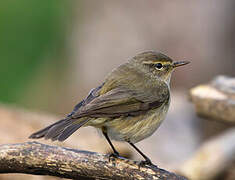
[(57, 129), (60, 130), (70, 130), (41, 133)]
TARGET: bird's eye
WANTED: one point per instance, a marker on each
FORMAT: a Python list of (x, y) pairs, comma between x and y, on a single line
[(159, 65)]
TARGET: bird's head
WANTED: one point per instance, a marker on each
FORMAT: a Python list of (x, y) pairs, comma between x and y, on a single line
[(157, 64)]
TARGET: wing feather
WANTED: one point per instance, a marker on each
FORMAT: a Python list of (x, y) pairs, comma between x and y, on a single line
[(121, 101)]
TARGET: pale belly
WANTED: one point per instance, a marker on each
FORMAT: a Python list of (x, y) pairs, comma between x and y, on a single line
[(136, 128)]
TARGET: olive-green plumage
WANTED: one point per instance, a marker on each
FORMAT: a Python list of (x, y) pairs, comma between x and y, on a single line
[(129, 106)]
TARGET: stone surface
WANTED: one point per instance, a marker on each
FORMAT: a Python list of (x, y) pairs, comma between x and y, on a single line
[(216, 100)]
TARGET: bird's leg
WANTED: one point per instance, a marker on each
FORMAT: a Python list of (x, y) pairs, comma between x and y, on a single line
[(147, 160), (115, 152)]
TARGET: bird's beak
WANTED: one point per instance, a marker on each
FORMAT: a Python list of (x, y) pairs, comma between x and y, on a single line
[(180, 63)]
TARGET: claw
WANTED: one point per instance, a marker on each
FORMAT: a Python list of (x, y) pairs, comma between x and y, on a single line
[(148, 163), (113, 156)]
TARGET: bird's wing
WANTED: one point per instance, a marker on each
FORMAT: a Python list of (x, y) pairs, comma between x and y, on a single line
[(94, 93), (121, 101)]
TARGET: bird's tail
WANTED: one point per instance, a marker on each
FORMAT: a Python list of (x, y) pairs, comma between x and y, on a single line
[(60, 130)]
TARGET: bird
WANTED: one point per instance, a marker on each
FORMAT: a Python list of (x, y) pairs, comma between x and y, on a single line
[(128, 106)]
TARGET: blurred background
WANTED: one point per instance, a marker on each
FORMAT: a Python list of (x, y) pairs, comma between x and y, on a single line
[(53, 52)]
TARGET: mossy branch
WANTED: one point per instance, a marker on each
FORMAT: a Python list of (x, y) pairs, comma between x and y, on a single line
[(40, 159)]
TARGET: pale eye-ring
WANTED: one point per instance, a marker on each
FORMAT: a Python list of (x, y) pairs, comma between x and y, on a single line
[(159, 66)]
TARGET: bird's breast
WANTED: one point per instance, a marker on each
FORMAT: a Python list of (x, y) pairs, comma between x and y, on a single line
[(137, 128)]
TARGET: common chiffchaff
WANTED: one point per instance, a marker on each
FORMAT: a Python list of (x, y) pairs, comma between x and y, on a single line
[(129, 106)]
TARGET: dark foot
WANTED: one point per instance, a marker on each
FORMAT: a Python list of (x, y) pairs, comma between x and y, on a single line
[(148, 163), (113, 156)]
